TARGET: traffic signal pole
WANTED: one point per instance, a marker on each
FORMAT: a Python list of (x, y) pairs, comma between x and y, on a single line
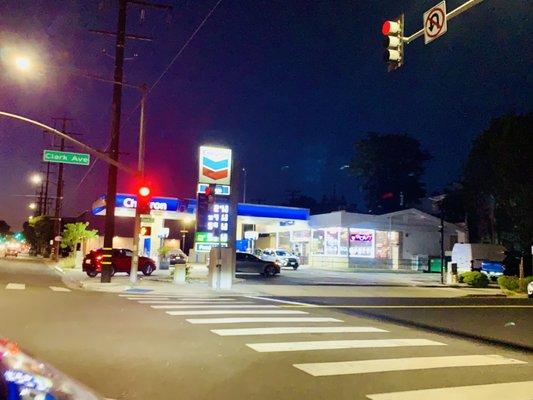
[(395, 40), (140, 168), (454, 13)]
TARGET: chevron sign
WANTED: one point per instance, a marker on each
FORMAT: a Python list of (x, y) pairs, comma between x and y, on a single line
[(215, 165)]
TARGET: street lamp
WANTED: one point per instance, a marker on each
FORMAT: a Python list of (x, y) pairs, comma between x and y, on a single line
[(22, 63), (36, 179), (244, 186), (32, 206)]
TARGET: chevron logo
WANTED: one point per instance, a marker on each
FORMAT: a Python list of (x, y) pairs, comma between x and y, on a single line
[(215, 165), (215, 175), (215, 170)]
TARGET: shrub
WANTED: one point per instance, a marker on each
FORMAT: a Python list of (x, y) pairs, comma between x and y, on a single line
[(508, 282), (476, 279), (464, 276), (512, 283)]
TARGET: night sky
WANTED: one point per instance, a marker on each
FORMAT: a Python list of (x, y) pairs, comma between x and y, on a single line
[(289, 85)]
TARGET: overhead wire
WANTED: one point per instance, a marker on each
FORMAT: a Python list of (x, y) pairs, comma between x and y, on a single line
[(156, 82)]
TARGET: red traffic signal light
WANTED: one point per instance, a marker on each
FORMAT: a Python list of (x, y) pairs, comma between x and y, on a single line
[(390, 27), (393, 32), (143, 199), (144, 191)]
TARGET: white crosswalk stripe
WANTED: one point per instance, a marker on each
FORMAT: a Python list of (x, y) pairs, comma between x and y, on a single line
[(188, 302), (296, 329), (259, 319), (340, 344), (172, 296), (15, 286), (59, 289), (402, 364), (494, 391), (210, 306), (252, 312)]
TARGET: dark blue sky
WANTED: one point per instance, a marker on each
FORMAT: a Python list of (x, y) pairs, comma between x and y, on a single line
[(284, 83)]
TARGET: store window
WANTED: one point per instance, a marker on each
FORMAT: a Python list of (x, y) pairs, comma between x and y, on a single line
[(362, 243), (343, 242), (284, 240), (385, 240), (331, 239), (317, 244)]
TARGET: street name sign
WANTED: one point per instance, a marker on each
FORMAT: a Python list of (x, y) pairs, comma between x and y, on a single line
[(435, 23), (66, 157)]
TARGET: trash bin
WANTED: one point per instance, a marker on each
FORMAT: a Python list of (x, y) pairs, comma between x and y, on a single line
[(435, 264)]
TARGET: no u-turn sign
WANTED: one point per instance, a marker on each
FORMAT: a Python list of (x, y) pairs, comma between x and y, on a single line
[(435, 22)]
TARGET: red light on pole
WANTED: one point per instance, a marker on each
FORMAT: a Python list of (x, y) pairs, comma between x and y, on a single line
[(393, 32), (144, 191)]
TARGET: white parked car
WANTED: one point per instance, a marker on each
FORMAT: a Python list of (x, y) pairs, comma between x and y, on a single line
[(281, 257), (530, 290)]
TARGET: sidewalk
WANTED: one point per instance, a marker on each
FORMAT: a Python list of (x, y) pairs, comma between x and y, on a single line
[(160, 282)]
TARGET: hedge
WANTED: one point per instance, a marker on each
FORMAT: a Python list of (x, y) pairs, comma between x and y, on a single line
[(474, 278), (512, 283)]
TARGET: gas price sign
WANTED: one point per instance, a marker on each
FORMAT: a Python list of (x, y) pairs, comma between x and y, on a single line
[(213, 223)]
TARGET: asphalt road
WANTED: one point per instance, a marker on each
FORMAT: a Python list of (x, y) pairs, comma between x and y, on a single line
[(125, 348), (317, 277)]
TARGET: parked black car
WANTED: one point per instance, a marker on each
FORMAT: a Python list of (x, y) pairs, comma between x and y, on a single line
[(249, 263)]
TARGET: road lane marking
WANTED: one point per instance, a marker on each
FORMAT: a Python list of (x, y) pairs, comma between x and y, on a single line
[(59, 269), (296, 329), (297, 303), (183, 299), (182, 296), (340, 344), (189, 302), (59, 289), (493, 391), (402, 364), (250, 312), (16, 286), (260, 319), (211, 306)]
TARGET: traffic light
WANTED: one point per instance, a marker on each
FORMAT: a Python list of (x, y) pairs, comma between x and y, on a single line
[(210, 194), (143, 200), (145, 231), (393, 32)]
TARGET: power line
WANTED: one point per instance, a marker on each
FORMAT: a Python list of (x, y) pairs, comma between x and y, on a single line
[(170, 64)]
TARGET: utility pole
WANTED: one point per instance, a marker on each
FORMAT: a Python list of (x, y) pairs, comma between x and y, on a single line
[(59, 195), (116, 108), (46, 184)]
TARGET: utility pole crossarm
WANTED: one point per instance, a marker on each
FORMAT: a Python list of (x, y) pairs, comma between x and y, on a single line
[(454, 13)]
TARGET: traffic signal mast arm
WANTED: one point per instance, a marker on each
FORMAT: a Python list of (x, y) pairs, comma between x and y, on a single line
[(455, 12), (75, 142)]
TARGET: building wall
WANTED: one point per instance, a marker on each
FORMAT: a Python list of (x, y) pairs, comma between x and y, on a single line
[(329, 262), (420, 242)]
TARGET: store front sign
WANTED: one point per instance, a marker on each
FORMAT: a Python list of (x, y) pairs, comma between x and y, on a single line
[(362, 243), (157, 203)]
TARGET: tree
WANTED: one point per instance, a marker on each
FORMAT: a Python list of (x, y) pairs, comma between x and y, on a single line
[(390, 167), (39, 231), (498, 182), (76, 233), (4, 228)]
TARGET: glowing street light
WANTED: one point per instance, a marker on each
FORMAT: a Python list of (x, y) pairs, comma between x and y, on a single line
[(32, 206), (36, 179), (23, 63)]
